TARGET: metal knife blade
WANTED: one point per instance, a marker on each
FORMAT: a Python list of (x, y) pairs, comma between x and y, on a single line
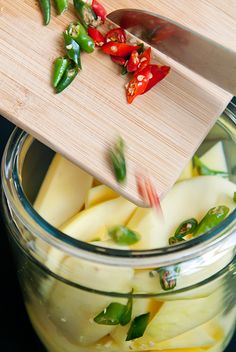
[(200, 54)]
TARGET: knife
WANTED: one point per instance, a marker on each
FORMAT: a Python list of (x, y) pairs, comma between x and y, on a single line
[(198, 53)]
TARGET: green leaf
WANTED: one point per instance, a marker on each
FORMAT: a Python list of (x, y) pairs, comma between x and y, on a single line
[(126, 316), (205, 171), (138, 327), (110, 315), (124, 236)]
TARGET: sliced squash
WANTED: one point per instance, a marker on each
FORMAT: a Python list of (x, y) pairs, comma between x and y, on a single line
[(187, 172), (150, 226), (98, 195), (63, 191), (214, 158), (79, 307)]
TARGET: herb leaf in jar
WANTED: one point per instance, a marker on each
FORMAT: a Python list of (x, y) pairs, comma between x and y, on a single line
[(138, 327), (110, 315)]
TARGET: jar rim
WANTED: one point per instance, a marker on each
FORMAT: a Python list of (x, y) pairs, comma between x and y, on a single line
[(135, 258)]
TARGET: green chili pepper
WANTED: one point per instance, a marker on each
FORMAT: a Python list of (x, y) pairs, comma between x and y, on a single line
[(46, 10), (60, 65), (86, 15), (173, 240), (141, 48), (118, 160), (68, 77), (110, 315), (213, 217), (61, 5), (138, 327), (123, 235), (124, 70), (126, 316), (73, 49), (234, 197), (80, 35), (168, 277), (205, 171)]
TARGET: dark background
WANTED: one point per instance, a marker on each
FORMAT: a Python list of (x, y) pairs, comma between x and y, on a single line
[(16, 333)]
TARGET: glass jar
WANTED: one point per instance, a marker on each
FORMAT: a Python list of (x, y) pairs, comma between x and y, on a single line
[(186, 292)]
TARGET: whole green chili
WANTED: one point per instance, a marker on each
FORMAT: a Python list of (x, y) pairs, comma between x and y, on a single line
[(46, 10), (61, 5), (73, 49), (68, 77), (80, 35), (213, 217), (60, 66)]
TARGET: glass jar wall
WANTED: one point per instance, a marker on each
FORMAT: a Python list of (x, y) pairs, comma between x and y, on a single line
[(84, 297)]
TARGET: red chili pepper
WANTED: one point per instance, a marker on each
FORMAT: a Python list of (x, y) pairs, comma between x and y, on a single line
[(138, 84), (118, 60), (148, 193), (116, 35), (118, 49), (99, 10), (97, 36), (144, 59), (157, 74), (133, 62)]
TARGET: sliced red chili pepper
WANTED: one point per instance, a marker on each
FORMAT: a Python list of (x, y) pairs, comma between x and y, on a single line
[(99, 10), (138, 84), (118, 49), (144, 59), (119, 60), (148, 193), (116, 35), (97, 36), (157, 74), (133, 62)]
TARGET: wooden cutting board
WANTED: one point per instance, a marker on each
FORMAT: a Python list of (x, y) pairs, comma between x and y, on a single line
[(85, 119)]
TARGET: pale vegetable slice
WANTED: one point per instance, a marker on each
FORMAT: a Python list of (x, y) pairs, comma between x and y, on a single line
[(177, 317), (195, 338), (194, 197), (79, 307), (63, 191), (187, 172), (150, 227), (187, 199), (140, 306), (214, 158), (98, 195), (86, 224)]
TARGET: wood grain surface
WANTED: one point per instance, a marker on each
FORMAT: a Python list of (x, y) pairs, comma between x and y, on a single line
[(162, 129)]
